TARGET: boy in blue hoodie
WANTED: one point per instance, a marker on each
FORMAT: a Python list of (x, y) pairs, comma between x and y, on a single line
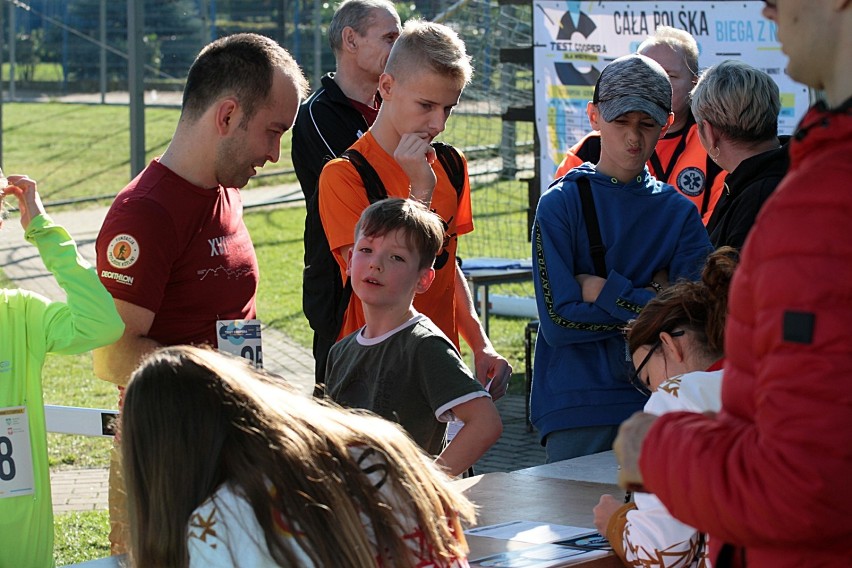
[(648, 235)]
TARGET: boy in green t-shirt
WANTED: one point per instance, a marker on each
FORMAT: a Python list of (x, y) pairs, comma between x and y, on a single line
[(400, 365)]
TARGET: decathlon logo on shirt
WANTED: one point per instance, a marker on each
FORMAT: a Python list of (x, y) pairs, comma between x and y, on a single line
[(117, 276), (123, 251)]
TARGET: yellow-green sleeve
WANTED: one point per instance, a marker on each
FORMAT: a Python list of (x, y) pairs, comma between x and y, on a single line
[(88, 318)]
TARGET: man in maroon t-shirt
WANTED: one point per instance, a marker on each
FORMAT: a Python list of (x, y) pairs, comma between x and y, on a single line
[(174, 251)]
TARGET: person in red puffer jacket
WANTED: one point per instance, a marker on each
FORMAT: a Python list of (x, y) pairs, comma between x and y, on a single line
[(767, 477)]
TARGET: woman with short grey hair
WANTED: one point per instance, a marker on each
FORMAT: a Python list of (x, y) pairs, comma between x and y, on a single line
[(736, 108)]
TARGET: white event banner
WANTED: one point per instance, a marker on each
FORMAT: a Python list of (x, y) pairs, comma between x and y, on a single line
[(574, 41)]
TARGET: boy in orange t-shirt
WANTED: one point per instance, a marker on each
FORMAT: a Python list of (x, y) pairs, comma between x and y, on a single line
[(426, 72)]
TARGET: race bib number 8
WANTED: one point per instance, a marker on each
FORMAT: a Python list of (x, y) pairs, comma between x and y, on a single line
[(241, 338), (16, 460)]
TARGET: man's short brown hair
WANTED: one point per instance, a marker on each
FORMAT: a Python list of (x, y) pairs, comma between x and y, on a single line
[(241, 65)]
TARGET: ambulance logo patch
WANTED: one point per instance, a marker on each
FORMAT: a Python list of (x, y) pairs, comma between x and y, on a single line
[(691, 181), (123, 251)]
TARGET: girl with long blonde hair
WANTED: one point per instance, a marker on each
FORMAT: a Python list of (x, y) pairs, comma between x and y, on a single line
[(226, 465)]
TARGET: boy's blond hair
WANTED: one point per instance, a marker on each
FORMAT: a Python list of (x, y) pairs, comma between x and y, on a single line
[(423, 230), (427, 45)]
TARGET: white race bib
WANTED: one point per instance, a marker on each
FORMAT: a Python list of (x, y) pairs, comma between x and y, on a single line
[(16, 456), (453, 428), (241, 338)]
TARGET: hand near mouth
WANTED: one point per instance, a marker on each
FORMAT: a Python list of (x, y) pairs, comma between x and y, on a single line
[(415, 155)]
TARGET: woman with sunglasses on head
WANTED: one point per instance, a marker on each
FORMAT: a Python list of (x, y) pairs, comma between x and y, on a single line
[(677, 346)]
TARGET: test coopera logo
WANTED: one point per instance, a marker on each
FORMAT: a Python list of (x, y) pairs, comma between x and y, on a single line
[(567, 27)]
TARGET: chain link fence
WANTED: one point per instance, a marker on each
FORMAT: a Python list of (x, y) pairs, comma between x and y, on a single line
[(77, 50)]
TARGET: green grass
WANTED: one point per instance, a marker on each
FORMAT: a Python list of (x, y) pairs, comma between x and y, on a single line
[(69, 381), (467, 130), (77, 150), (277, 237), (81, 537), (41, 72), (500, 220)]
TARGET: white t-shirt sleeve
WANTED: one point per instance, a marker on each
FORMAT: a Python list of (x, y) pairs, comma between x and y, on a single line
[(698, 391), (445, 413), (224, 531), (652, 534)]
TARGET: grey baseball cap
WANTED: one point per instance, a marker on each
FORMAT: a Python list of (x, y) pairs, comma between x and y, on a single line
[(634, 83)]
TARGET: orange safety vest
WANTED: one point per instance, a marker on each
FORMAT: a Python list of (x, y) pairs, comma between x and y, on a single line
[(679, 159)]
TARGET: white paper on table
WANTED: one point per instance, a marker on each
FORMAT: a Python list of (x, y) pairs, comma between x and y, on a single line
[(529, 531), (539, 556)]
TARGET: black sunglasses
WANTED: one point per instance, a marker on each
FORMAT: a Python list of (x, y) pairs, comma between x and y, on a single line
[(635, 379)]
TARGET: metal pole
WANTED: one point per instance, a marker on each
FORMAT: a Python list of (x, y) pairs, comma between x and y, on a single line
[(282, 21), (213, 32), (1, 87), (65, 49), (204, 13), (297, 29), (317, 74), (103, 36), (11, 51), (136, 84)]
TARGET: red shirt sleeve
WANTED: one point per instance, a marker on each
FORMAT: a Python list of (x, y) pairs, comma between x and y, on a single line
[(135, 252)]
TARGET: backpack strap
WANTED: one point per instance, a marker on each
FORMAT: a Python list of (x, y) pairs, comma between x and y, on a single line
[(590, 214), (453, 164), (449, 157), (372, 182), (375, 192), (324, 299)]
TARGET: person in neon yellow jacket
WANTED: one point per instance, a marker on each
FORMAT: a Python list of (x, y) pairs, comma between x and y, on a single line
[(31, 326)]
